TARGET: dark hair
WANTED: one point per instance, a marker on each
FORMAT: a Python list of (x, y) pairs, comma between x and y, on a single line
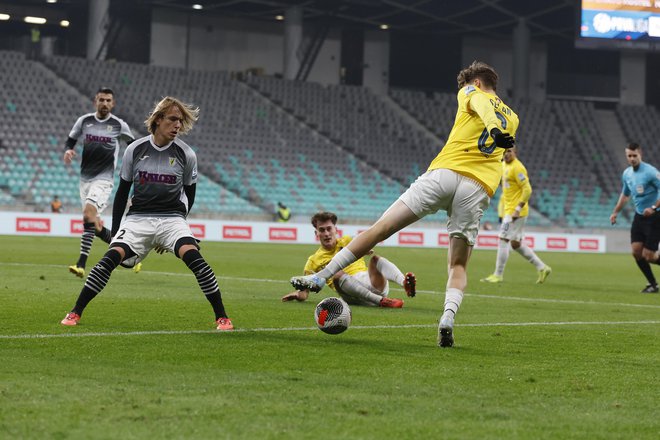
[(479, 70), (633, 146), (107, 90), (324, 217)]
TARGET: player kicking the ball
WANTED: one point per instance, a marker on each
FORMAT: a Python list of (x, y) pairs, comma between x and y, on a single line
[(460, 180), (163, 171)]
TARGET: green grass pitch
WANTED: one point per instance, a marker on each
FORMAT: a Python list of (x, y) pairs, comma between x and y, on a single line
[(575, 358)]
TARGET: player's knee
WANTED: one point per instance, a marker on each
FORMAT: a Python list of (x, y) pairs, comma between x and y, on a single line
[(649, 256), (114, 255), (184, 245), (339, 277), (515, 244)]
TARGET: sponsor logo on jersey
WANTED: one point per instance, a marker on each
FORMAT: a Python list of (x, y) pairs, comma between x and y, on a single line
[(282, 234), (237, 232), (95, 138), (26, 224), (167, 179)]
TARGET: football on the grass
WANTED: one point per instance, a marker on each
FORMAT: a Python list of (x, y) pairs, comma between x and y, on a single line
[(332, 315)]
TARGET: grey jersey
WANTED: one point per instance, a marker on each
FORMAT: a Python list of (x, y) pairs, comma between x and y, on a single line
[(159, 175), (100, 145)]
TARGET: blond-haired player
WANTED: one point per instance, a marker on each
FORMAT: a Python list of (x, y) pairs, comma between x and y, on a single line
[(162, 170), (516, 191), (460, 180)]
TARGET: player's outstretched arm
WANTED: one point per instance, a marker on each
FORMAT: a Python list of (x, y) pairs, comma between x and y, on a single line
[(298, 295)]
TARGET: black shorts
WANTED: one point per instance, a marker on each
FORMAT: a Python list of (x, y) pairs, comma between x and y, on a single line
[(646, 230)]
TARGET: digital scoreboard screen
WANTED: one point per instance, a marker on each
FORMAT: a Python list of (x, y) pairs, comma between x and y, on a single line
[(621, 20)]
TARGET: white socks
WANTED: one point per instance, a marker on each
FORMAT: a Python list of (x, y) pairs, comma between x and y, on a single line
[(453, 299), (352, 287), (503, 251), (389, 270), (343, 258), (530, 256)]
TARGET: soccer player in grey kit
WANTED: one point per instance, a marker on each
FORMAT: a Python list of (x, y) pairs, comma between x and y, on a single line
[(100, 133), (163, 171)]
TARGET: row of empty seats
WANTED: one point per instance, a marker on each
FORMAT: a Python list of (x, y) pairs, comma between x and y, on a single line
[(314, 147)]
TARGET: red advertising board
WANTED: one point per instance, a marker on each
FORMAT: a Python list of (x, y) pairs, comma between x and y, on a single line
[(443, 239), (27, 224), (282, 234), (488, 240), (237, 232), (411, 238), (556, 243), (198, 230), (588, 244), (76, 226)]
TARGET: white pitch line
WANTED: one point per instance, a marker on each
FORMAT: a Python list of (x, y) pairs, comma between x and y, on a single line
[(431, 292), (297, 329)]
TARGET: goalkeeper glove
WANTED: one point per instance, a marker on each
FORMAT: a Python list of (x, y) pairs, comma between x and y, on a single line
[(502, 139)]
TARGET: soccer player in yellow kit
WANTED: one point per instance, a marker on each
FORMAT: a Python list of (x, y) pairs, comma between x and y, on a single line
[(356, 283), (516, 191), (460, 180)]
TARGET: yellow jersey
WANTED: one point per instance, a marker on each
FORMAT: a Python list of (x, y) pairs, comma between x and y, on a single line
[(515, 187), (322, 257), (470, 150)]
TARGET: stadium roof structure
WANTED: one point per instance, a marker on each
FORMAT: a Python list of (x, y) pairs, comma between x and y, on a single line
[(491, 18), (495, 18)]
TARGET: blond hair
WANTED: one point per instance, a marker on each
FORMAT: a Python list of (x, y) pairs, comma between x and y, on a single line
[(189, 113), (480, 70)]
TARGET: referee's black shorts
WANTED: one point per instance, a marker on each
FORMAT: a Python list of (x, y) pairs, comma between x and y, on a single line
[(646, 230)]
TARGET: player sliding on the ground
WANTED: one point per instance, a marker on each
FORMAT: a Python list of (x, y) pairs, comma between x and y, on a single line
[(356, 284), (460, 180)]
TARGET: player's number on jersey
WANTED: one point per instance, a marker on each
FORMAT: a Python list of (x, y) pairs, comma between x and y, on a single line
[(482, 143)]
